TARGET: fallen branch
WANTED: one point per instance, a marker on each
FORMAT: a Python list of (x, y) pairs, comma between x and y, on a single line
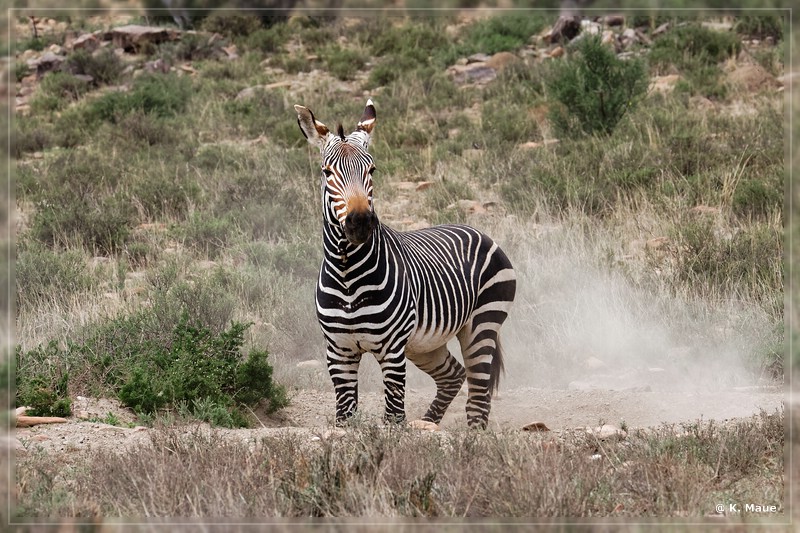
[(24, 421)]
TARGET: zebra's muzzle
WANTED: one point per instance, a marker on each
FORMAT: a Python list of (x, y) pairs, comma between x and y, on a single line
[(358, 226)]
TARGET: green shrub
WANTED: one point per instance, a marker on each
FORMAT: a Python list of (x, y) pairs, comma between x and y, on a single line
[(494, 34), (594, 89), (21, 69), (159, 95), (268, 39), (57, 90), (198, 367), (44, 391), (760, 26), (104, 66), (43, 275), (343, 62), (230, 24), (758, 198), (696, 52)]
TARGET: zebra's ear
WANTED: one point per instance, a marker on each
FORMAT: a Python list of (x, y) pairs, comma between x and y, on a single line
[(367, 122), (315, 131)]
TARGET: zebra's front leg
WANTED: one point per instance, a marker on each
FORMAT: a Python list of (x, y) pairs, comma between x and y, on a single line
[(393, 367), (343, 369)]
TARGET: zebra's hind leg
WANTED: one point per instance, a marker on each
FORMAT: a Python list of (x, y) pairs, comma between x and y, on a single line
[(482, 359), (393, 368), (448, 374), (344, 374)]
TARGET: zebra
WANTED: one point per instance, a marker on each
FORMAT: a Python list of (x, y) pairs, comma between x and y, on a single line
[(402, 295)]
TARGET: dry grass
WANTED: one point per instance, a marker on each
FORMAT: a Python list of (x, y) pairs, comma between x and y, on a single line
[(372, 470)]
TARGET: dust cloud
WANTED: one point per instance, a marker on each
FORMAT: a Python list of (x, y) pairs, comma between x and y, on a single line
[(581, 324)]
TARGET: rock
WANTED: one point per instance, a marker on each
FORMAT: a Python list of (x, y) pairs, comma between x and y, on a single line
[(478, 58), (558, 51), (607, 432), (249, 92), (629, 37), (477, 73), (609, 38), (87, 41), (642, 38), (159, 65), (133, 37), (664, 84), (423, 425), (423, 185), (536, 426), (752, 78), (534, 144), (46, 62), (565, 29), (311, 363), (661, 29), (614, 20), (589, 27), (501, 60)]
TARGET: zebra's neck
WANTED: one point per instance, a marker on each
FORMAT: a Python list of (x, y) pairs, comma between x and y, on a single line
[(343, 258)]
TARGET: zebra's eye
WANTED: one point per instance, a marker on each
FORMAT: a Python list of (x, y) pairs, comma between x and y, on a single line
[(328, 172), (372, 171)]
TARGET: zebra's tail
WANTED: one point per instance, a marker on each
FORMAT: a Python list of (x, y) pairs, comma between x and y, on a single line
[(497, 368)]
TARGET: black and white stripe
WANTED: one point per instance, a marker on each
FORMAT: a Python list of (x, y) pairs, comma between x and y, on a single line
[(403, 295)]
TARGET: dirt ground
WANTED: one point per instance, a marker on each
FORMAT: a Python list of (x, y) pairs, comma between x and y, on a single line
[(311, 411)]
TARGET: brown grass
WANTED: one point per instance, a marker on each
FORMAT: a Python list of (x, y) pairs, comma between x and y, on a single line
[(372, 470)]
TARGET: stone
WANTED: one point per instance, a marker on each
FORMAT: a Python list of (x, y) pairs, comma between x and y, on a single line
[(607, 432), (589, 27), (752, 78), (614, 20), (87, 41), (46, 62), (534, 144), (536, 426), (664, 84), (423, 425), (565, 29), (558, 51), (609, 38), (133, 37), (661, 29), (423, 185), (477, 73), (501, 60), (478, 58)]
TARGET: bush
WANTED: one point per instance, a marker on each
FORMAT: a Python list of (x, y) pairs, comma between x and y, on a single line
[(231, 24), (198, 367), (159, 95), (594, 89), (761, 26), (696, 52), (343, 62), (105, 67), (44, 391), (42, 274)]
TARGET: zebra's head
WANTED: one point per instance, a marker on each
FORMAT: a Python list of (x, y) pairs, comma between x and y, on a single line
[(346, 172)]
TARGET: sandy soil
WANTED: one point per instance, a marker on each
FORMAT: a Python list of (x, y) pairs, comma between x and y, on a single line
[(311, 412)]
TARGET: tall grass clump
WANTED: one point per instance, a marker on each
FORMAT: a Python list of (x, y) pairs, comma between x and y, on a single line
[(594, 89), (696, 52)]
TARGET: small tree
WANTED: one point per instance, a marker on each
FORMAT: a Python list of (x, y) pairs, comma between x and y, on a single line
[(594, 89)]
